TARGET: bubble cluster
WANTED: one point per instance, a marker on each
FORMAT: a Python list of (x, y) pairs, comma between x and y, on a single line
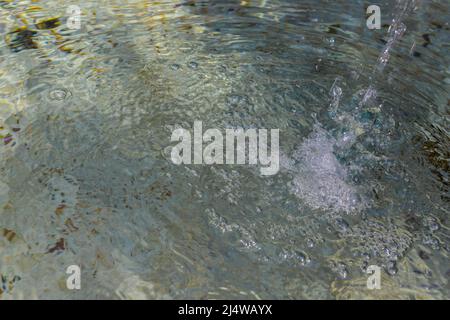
[(379, 241), (320, 179)]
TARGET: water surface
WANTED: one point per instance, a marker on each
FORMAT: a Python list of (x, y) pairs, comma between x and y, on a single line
[(86, 177)]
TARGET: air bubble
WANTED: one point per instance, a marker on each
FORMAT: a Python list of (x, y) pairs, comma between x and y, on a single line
[(391, 268), (341, 270), (310, 243), (193, 65), (175, 67)]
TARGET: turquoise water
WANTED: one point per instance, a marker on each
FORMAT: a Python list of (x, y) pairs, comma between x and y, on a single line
[(86, 117)]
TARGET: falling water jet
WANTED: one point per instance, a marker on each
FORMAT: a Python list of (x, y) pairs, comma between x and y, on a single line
[(396, 30), (331, 191)]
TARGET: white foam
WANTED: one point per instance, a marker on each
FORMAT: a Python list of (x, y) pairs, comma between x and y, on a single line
[(319, 178)]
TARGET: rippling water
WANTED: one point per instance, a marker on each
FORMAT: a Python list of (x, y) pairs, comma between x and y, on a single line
[(86, 177)]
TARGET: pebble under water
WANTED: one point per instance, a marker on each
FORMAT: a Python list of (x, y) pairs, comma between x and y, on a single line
[(86, 177)]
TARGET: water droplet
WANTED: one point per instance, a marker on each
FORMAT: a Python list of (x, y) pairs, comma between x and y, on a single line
[(364, 266), (303, 258), (341, 270), (175, 67), (391, 268), (193, 65), (310, 243)]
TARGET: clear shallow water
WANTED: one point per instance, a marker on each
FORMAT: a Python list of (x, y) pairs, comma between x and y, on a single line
[(86, 177)]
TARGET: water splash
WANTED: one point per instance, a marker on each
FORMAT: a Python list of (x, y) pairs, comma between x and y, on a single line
[(320, 179), (335, 95), (330, 189)]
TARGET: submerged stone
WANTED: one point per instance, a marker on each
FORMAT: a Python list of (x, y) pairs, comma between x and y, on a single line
[(49, 23), (21, 39)]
